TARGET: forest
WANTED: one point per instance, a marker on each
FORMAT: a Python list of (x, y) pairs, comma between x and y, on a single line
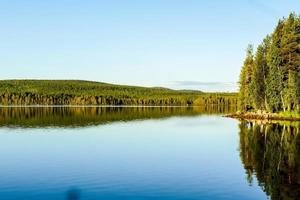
[(75, 92), (270, 76)]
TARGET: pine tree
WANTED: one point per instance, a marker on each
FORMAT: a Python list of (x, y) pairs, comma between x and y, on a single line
[(291, 91), (290, 56), (274, 80), (271, 81), (245, 80), (260, 71)]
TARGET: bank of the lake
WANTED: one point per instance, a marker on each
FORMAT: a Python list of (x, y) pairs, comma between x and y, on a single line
[(283, 116)]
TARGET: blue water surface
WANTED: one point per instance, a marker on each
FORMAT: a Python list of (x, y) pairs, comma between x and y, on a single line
[(186, 158)]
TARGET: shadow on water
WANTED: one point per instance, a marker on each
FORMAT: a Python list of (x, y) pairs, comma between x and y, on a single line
[(36, 117), (73, 194), (270, 153)]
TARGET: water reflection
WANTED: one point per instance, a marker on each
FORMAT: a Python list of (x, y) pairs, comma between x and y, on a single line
[(31, 117), (270, 153)]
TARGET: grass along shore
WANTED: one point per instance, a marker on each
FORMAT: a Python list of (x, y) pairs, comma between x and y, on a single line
[(281, 116)]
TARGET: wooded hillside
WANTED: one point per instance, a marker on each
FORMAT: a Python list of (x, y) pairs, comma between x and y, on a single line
[(72, 92)]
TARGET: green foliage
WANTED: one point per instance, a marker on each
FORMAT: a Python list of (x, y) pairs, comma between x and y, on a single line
[(274, 83), (290, 114), (245, 80), (66, 92), (274, 80), (290, 92), (259, 76)]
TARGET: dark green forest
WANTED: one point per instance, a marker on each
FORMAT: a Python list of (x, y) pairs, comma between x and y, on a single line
[(74, 92), (270, 76)]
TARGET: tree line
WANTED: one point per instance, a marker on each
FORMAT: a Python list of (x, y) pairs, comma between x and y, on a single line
[(71, 99), (270, 76), (39, 92)]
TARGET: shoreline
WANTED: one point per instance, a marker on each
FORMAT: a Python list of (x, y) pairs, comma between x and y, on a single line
[(264, 116)]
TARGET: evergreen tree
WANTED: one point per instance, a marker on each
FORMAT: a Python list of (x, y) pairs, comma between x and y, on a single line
[(245, 80), (274, 80), (271, 81), (291, 92), (260, 71), (290, 52), (290, 45)]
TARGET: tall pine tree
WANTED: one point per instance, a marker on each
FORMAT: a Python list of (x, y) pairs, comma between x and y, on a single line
[(245, 80), (259, 77)]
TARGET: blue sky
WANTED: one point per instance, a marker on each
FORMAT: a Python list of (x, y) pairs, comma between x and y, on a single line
[(192, 44)]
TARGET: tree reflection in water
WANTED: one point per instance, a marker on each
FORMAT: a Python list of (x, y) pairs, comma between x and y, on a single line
[(270, 152), (40, 117)]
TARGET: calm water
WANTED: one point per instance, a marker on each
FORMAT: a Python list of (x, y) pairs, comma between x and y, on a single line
[(144, 153)]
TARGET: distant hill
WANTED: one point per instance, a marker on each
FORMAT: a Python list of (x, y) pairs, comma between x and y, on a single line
[(78, 92), (83, 87)]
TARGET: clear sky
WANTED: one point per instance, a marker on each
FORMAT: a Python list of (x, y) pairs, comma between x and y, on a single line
[(193, 44)]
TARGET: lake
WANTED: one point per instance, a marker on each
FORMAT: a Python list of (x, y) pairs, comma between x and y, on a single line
[(115, 153)]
